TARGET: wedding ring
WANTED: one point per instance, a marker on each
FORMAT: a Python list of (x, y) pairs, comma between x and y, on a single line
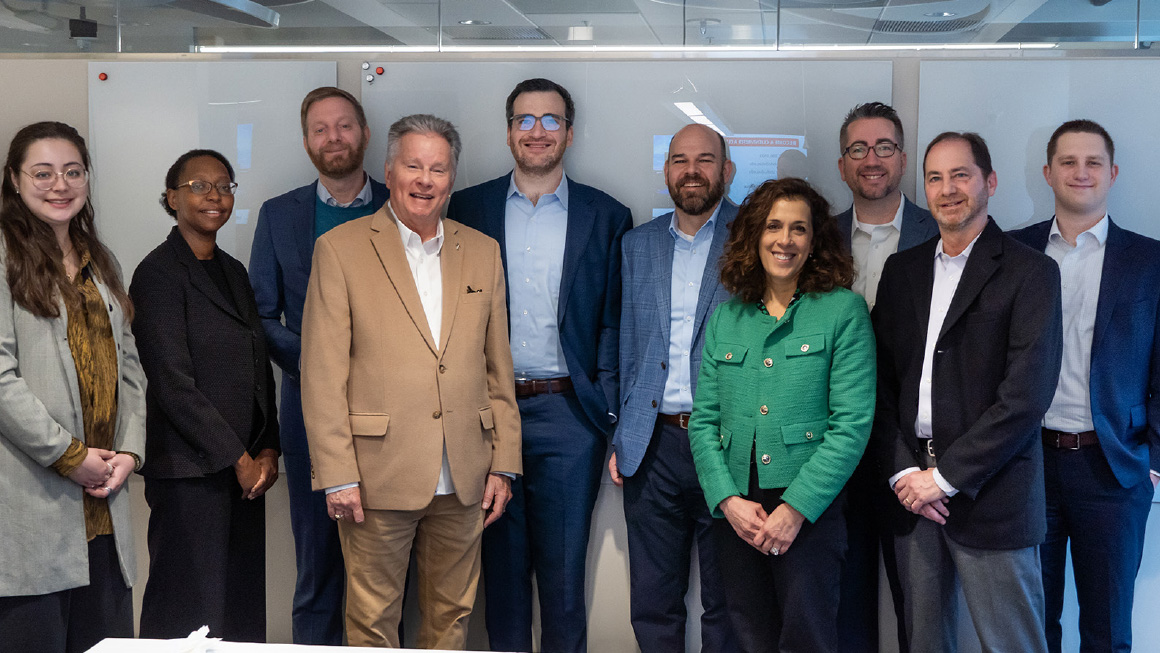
[(774, 551)]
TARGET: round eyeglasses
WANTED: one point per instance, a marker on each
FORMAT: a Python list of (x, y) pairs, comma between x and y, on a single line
[(44, 178), (199, 187), (526, 122), (860, 150)]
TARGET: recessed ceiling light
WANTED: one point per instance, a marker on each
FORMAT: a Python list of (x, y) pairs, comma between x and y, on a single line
[(941, 14), (472, 21)]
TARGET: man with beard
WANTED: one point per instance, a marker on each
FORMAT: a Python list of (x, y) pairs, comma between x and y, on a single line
[(335, 135), (881, 221), (560, 242), (671, 286), (969, 344)]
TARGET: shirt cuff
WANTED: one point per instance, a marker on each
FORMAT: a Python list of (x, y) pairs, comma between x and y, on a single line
[(507, 474), (894, 479), (943, 484), (332, 490), (72, 458), (1154, 473)]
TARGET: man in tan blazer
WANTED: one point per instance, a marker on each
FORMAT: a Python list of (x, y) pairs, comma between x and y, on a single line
[(408, 394)]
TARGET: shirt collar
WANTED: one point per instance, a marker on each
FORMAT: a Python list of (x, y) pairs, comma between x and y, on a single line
[(364, 197), (964, 255), (869, 228), (707, 227), (1099, 231), (561, 191), (412, 240)]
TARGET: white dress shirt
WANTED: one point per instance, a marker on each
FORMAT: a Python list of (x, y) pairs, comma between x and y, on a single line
[(871, 245), (948, 270), (1080, 269)]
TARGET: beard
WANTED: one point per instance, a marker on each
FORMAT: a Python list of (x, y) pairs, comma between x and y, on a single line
[(700, 201), (339, 166), (538, 168)]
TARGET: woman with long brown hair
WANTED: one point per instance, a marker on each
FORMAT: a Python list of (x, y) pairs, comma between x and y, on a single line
[(72, 406)]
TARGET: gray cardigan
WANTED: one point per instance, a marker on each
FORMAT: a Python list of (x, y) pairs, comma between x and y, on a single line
[(42, 524)]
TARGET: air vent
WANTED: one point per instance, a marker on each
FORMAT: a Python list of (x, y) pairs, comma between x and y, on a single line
[(494, 33), (925, 26)]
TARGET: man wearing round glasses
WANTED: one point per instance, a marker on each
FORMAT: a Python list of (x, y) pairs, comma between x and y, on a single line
[(560, 242), (881, 222)]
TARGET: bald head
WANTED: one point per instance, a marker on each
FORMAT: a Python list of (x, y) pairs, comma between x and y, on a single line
[(696, 170)]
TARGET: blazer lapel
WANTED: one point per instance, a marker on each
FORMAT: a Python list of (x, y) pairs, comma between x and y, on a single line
[(388, 245), (303, 225), (660, 278), (198, 277), (580, 221), (1116, 269), (451, 269), (981, 265)]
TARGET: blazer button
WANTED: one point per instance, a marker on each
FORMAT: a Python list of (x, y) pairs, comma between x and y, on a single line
[(764, 410), (436, 415), (664, 365), (809, 435), (442, 369), (805, 348), (765, 459), (654, 403), (729, 356), (769, 362)]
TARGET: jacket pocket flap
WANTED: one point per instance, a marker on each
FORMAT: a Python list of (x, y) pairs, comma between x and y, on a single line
[(804, 432), (727, 353), (486, 419), (369, 423), (805, 345)]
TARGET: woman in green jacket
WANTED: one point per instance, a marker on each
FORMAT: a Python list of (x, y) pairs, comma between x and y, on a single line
[(784, 404)]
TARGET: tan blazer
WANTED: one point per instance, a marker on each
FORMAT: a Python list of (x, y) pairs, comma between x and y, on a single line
[(378, 396)]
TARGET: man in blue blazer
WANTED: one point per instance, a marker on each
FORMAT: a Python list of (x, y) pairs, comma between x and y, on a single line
[(1101, 435), (672, 283), (881, 221), (335, 135), (560, 242)]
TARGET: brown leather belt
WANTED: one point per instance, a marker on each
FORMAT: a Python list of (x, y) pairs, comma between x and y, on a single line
[(680, 419), (533, 387), (1063, 440)]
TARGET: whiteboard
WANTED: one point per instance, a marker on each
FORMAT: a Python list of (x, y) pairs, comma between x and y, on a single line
[(145, 115), (626, 110), (1016, 105)]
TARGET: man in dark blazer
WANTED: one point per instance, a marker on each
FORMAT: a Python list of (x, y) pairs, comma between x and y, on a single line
[(335, 135), (1101, 435), (880, 222), (560, 242), (969, 344), (672, 283)]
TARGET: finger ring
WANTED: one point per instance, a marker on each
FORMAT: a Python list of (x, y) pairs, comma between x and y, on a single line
[(338, 515), (774, 551), (110, 466), (108, 489), (909, 501)]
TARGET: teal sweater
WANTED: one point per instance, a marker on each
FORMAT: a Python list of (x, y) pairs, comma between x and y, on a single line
[(800, 389)]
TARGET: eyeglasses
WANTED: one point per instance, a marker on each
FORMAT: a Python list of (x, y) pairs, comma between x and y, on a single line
[(199, 187), (526, 122), (860, 150), (44, 178)]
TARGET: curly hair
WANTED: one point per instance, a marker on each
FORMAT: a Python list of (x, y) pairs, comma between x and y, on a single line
[(828, 265)]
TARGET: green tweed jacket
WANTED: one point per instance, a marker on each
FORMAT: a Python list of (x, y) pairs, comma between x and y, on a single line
[(796, 392)]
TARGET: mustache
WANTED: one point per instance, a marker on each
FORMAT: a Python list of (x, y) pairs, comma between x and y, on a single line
[(692, 177)]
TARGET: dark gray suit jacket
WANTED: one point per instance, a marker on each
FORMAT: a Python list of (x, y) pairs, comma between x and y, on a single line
[(917, 225)]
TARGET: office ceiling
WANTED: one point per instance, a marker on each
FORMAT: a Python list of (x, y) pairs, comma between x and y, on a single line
[(162, 26)]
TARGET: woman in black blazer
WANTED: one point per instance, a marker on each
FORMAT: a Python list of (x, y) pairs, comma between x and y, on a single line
[(212, 436)]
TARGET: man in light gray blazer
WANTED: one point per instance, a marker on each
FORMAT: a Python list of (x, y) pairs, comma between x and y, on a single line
[(671, 282)]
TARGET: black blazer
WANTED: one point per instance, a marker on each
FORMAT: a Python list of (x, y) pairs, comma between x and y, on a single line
[(589, 310), (207, 364), (996, 363)]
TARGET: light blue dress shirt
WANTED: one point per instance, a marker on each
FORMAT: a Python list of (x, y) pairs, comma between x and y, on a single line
[(364, 196), (535, 237), (690, 254)]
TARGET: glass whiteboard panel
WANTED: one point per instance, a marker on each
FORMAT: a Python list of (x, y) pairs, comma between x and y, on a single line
[(627, 111), (145, 115)]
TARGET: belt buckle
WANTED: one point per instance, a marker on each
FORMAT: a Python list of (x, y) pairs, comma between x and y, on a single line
[(930, 447), (683, 420), (1060, 446)]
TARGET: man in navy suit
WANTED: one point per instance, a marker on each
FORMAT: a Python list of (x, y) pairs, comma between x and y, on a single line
[(335, 135), (1101, 435), (969, 344), (672, 283), (881, 221), (560, 242)]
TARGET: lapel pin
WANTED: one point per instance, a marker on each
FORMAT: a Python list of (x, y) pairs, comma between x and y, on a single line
[(456, 245)]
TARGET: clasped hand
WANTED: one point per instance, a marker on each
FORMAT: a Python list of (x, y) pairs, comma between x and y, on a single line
[(770, 533), (102, 472), (920, 494)]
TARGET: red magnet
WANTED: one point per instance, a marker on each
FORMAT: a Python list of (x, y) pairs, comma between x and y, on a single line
[(379, 70), (103, 76)]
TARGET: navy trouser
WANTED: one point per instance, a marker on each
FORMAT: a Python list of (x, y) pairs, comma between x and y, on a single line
[(545, 530)]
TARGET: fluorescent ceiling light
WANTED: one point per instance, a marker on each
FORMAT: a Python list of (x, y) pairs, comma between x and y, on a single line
[(696, 115), (643, 49)]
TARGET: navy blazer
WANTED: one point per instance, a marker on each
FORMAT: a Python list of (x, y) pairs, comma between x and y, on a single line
[(589, 306), (996, 364), (645, 324), (1124, 380), (917, 225), (206, 361), (280, 261)]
